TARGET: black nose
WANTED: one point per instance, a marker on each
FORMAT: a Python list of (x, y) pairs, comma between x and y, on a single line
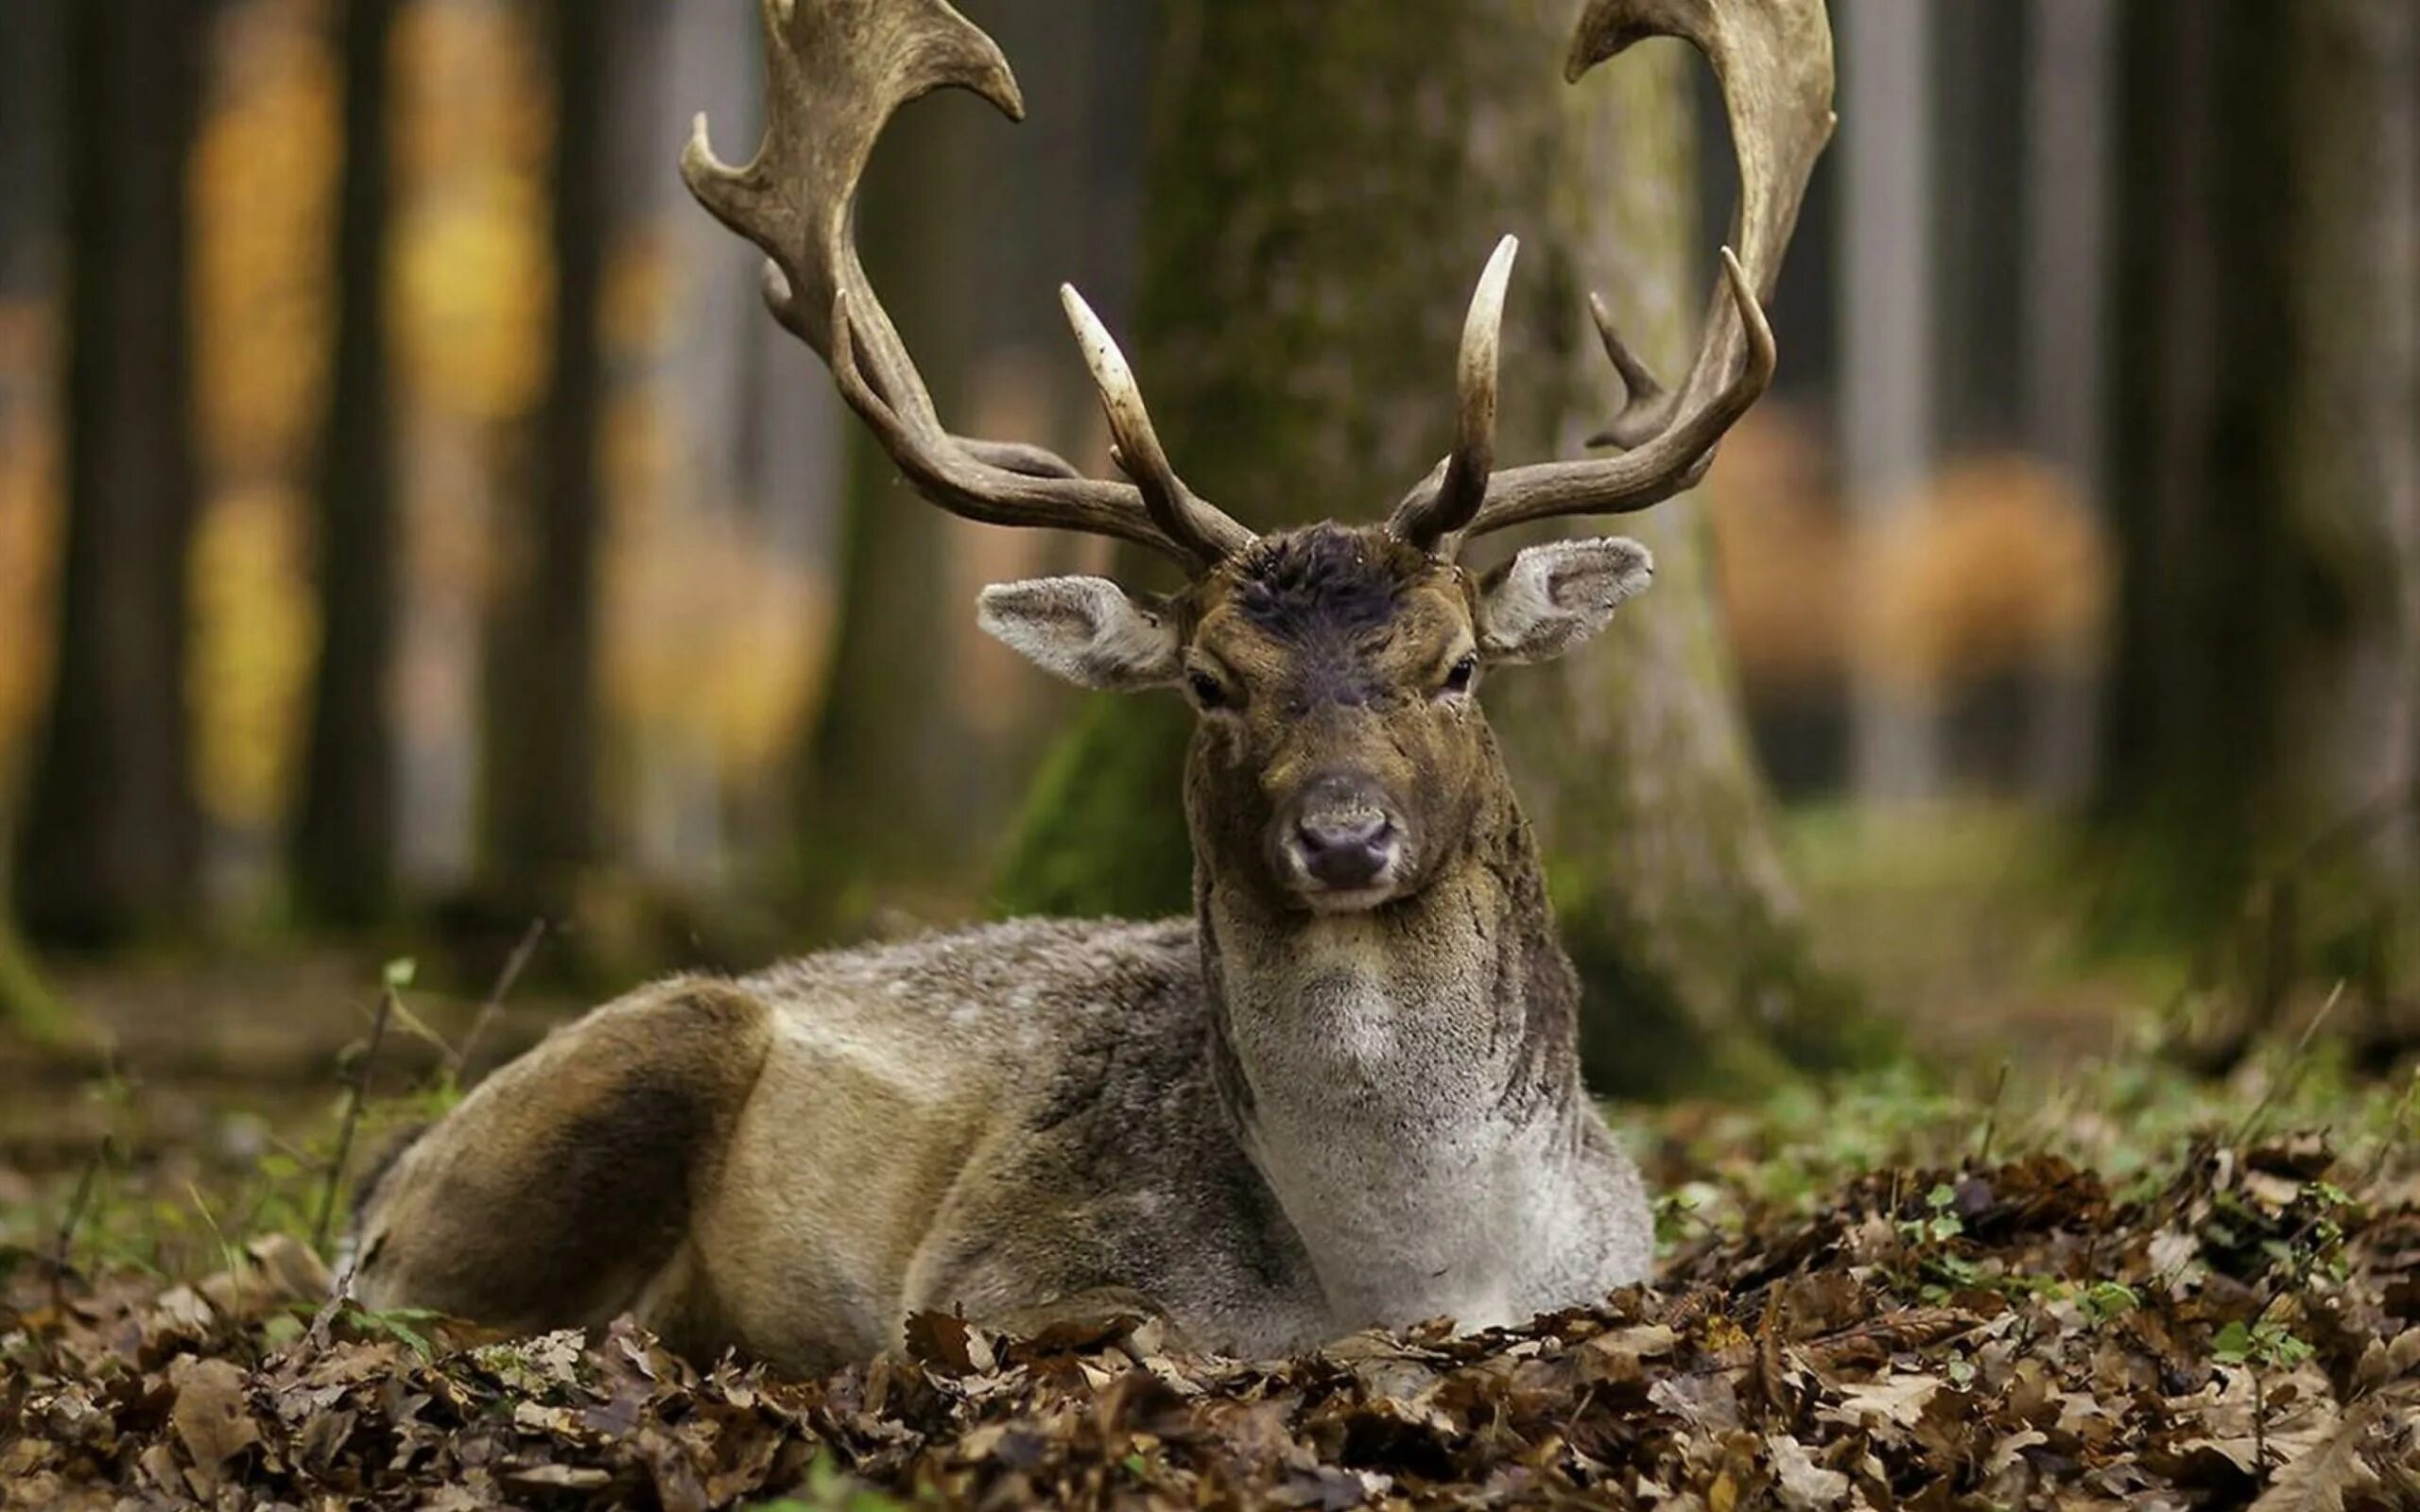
[(1348, 850)]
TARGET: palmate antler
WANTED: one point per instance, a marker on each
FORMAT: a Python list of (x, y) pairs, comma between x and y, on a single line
[(836, 70), (1773, 58)]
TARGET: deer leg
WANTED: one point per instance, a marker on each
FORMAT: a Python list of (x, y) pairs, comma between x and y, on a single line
[(1109, 1309), (561, 1190)]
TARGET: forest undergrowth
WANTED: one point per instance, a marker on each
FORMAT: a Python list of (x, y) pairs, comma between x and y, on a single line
[(2114, 1284)]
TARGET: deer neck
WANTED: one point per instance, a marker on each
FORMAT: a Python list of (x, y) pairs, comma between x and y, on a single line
[(1407, 1079)]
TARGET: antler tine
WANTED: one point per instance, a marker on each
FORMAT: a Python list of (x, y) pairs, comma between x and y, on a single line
[(835, 72), (1460, 481), (1182, 515), (1774, 60), (1647, 404)]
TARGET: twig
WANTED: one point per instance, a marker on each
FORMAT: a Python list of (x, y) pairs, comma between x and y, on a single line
[(2259, 1424), (411, 1023), (2397, 1132), (513, 966), (354, 1094), (228, 1254), (2292, 1071), (63, 1246), (1992, 1118)]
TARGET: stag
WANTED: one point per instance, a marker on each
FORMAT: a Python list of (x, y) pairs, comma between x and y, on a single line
[(1344, 1092)]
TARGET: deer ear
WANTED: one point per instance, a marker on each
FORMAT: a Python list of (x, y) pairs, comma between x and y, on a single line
[(1086, 629), (1550, 598)]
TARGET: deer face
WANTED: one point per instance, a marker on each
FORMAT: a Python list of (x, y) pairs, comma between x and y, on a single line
[(1333, 666), (1340, 752)]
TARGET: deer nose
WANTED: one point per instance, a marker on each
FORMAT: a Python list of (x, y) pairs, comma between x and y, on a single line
[(1347, 850)]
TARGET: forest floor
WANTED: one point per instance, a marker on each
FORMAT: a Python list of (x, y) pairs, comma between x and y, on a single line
[(2074, 1277), (1881, 1296)]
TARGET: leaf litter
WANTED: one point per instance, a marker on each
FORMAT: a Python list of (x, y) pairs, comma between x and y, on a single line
[(2012, 1335)]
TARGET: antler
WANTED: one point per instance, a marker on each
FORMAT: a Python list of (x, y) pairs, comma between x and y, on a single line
[(835, 71), (1773, 58)]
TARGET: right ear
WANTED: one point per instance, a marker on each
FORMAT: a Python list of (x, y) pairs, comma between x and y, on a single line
[(1553, 596), (1086, 629)]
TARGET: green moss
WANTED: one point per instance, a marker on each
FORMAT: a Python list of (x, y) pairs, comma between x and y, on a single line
[(1733, 1012), (1103, 831), (26, 1004)]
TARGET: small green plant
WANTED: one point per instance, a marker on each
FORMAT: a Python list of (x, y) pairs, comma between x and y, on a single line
[(403, 1325), (1691, 1206), (2103, 1302), (2264, 1341), (1942, 1225)]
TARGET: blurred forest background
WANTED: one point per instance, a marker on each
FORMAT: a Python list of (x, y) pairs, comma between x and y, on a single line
[(412, 526)]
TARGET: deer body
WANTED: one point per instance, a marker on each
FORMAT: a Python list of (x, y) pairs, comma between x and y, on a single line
[(1276, 1125), (1347, 1093)]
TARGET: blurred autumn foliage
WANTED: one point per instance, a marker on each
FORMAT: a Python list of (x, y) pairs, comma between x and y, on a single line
[(28, 522), (712, 638), (2017, 514), (2002, 570)]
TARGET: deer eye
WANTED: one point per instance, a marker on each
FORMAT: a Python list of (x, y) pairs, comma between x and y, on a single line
[(1206, 691), (1459, 675)]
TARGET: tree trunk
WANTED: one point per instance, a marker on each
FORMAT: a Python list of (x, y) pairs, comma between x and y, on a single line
[(1889, 312), (544, 712), (1328, 180), (2064, 321), (112, 840), (343, 846), (2344, 831), (29, 126), (2350, 722), (967, 224), (2262, 714), (884, 753)]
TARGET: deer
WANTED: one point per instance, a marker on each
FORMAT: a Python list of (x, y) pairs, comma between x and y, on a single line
[(1346, 1092)]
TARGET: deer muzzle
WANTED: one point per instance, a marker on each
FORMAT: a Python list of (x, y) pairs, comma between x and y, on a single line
[(1340, 844)]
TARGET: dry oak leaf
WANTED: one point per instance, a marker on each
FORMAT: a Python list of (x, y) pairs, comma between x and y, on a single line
[(1895, 1398), (212, 1416), (1803, 1484)]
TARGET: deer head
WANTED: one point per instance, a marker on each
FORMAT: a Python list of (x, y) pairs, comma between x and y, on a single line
[(1333, 666)]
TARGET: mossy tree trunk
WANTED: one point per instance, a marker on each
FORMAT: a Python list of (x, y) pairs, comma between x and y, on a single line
[(1327, 182), (2264, 720)]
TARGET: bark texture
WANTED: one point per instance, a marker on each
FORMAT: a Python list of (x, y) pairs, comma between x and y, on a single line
[(343, 845), (2266, 697), (110, 842), (1326, 182)]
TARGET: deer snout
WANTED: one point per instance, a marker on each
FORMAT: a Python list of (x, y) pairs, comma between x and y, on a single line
[(1340, 839)]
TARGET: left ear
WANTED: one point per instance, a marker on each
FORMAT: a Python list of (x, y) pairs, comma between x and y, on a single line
[(1086, 629), (1549, 598)]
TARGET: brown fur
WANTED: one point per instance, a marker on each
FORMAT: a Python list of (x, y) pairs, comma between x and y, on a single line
[(1300, 1112), (618, 1130)]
